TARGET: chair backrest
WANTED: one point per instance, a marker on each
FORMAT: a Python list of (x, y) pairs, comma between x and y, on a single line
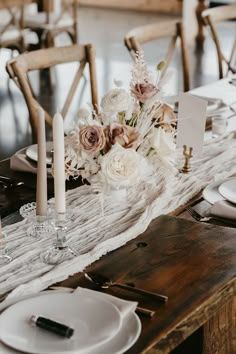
[(67, 7), (171, 28), (211, 17), (19, 67), (61, 17), (11, 24)]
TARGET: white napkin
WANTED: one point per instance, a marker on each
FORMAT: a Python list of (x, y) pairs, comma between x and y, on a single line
[(125, 307), (20, 162), (222, 209)]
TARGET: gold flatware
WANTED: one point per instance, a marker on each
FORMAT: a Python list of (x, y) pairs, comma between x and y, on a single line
[(104, 282), (140, 310)]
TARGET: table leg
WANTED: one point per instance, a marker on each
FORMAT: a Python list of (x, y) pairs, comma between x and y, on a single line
[(202, 5), (218, 332)]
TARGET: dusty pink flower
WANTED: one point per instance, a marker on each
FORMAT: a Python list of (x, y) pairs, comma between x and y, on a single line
[(142, 92), (92, 138), (166, 117), (125, 135)]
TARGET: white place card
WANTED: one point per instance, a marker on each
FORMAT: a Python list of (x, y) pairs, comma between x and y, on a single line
[(191, 122)]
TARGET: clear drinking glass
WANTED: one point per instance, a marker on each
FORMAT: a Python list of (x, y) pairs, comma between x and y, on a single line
[(219, 126)]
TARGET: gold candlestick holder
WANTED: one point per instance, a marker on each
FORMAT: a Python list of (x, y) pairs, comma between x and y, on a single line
[(187, 155)]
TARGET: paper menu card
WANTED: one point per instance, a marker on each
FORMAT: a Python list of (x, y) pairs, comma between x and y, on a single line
[(191, 122)]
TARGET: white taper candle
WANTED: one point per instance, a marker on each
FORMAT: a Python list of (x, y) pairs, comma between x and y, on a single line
[(59, 164), (41, 191)]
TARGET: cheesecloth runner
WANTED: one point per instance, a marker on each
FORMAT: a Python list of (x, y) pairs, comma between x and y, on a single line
[(96, 230)]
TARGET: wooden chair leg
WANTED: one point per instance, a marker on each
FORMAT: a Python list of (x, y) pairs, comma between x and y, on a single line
[(200, 38)]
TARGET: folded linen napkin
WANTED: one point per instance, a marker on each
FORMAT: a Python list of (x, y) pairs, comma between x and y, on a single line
[(20, 162), (125, 307), (222, 209)]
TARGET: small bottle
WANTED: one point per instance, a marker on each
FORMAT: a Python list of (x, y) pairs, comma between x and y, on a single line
[(52, 326)]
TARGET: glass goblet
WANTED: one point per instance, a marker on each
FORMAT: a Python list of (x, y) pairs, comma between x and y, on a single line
[(59, 251)]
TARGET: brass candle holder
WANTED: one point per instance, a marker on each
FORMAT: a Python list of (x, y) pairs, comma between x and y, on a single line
[(187, 155)]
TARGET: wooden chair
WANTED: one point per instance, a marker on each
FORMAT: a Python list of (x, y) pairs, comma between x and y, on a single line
[(172, 28), (210, 18), (11, 24), (49, 24), (19, 67)]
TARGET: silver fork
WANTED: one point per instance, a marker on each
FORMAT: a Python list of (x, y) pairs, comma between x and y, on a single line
[(197, 216)]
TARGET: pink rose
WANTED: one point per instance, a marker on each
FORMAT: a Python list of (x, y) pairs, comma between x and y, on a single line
[(165, 117), (144, 91), (125, 135), (92, 138)]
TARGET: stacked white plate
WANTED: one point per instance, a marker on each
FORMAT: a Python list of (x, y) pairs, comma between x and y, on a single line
[(32, 153), (99, 325), (224, 189), (215, 106)]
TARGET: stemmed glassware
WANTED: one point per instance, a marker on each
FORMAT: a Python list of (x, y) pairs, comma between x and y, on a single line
[(39, 226), (59, 251)]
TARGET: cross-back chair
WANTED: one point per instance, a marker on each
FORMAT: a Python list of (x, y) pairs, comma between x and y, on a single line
[(53, 21), (147, 33), (11, 24), (19, 67), (210, 18)]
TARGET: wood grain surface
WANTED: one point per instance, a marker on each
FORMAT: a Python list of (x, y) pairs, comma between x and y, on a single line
[(193, 264), (170, 6)]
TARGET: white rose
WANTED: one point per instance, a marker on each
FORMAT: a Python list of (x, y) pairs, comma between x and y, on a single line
[(83, 114), (163, 143), (121, 167), (116, 100)]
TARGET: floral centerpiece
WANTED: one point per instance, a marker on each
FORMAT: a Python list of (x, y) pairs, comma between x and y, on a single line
[(130, 138)]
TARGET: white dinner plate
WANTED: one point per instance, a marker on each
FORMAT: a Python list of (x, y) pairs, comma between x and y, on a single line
[(211, 193), (228, 190), (95, 321), (32, 154), (214, 105), (119, 344)]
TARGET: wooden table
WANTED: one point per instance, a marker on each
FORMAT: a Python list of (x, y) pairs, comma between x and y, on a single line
[(193, 264)]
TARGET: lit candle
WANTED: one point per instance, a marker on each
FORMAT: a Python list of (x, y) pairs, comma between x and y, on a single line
[(59, 164), (41, 191)]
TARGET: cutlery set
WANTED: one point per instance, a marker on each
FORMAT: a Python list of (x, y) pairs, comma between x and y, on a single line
[(201, 218), (140, 310), (103, 282), (8, 183)]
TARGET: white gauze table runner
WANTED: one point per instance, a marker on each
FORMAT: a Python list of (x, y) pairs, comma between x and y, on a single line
[(95, 231)]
